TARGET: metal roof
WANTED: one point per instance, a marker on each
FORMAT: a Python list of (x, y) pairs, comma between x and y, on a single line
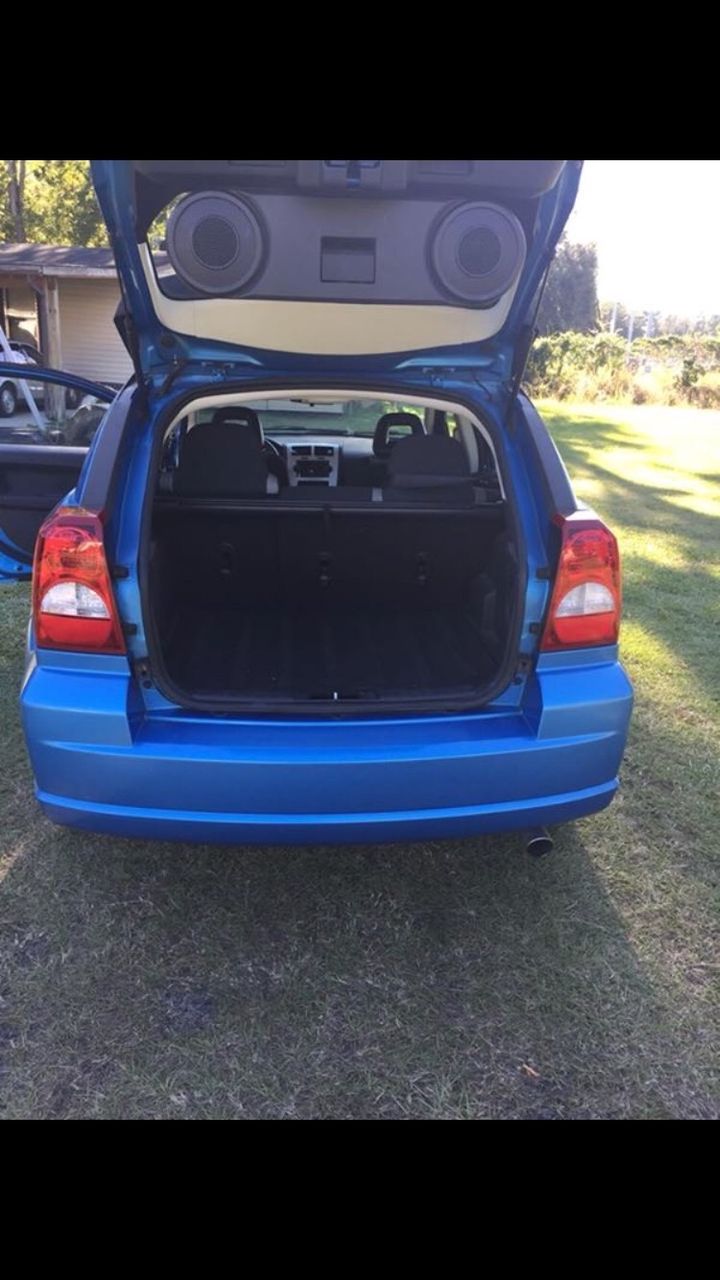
[(60, 260)]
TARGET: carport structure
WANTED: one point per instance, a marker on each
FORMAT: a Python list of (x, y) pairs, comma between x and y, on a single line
[(65, 298)]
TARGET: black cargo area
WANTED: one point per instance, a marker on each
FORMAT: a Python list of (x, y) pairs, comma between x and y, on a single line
[(333, 603)]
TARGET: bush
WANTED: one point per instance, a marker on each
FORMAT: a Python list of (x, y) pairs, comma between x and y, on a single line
[(706, 391), (670, 369)]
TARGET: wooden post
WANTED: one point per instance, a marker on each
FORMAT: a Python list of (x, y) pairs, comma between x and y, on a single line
[(54, 395)]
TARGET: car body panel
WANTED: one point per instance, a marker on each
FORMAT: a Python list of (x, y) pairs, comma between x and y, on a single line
[(33, 479), (42, 375), (102, 764)]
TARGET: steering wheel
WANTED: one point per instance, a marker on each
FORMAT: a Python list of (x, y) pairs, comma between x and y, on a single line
[(272, 447)]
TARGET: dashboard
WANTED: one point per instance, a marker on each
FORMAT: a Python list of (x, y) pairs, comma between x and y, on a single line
[(312, 462), (323, 460)]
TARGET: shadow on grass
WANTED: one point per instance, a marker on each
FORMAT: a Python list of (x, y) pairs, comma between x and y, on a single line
[(678, 603), (385, 981), (428, 980)]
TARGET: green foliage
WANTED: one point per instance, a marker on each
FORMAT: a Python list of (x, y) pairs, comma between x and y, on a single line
[(706, 390), (669, 369), (689, 374), (59, 204), (570, 298), (6, 230)]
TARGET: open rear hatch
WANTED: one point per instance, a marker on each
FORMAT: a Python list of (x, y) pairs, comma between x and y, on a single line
[(287, 264), (329, 273)]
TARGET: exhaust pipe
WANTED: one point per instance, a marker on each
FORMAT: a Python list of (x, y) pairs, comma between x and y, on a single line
[(539, 843)]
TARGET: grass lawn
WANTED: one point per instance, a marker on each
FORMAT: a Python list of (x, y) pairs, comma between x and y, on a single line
[(438, 980)]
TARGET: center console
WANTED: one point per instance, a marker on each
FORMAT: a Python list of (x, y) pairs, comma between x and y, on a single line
[(313, 462)]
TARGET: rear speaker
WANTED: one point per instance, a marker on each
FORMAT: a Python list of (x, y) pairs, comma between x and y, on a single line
[(215, 242), (477, 252)]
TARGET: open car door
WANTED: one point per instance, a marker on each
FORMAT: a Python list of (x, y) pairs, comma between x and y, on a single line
[(38, 469)]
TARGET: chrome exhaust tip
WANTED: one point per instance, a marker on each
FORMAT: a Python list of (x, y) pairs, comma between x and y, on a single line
[(540, 843)]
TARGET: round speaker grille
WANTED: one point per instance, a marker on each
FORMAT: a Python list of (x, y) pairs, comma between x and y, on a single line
[(477, 252), (215, 242)]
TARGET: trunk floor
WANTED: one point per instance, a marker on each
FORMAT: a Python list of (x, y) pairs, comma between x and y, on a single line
[(321, 652)]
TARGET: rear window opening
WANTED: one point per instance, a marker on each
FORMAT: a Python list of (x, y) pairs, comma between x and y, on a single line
[(329, 552)]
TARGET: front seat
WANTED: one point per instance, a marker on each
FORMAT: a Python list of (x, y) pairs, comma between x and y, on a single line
[(225, 458), (383, 446)]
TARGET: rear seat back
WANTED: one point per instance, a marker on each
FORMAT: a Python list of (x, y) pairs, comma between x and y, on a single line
[(430, 468), (345, 552), (224, 458)]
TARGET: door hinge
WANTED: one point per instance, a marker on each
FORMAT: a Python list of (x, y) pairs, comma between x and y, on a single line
[(178, 365), (439, 374)]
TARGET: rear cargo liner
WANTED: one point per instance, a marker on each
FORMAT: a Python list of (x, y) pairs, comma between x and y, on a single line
[(326, 654), (378, 642)]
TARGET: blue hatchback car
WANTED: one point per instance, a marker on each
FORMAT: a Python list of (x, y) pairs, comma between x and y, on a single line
[(321, 575)]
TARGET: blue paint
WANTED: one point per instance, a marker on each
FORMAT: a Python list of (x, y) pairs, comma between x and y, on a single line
[(111, 756)]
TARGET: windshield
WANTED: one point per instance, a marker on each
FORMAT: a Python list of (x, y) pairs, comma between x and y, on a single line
[(345, 418)]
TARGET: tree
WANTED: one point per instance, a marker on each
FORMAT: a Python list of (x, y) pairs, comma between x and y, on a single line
[(570, 298), (643, 323), (62, 207), (49, 202), (16, 198)]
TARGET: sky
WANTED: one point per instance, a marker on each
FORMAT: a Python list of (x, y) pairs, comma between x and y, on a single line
[(656, 224)]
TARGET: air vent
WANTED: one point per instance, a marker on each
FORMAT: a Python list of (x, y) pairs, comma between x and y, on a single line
[(301, 450), (324, 451)]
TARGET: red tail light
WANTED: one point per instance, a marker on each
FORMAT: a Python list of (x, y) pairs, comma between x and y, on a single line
[(587, 596), (73, 602)]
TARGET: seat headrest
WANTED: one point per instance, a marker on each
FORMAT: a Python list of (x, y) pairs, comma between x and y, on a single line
[(427, 461), (222, 459), (244, 419), (381, 444)]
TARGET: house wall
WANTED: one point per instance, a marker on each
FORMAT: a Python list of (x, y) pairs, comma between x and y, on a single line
[(91, 345)]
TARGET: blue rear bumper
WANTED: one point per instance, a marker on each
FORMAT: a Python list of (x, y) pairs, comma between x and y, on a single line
[(324, 828), (102, 764)]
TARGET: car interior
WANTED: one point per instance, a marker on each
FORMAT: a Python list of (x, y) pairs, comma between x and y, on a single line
[(330, 552)]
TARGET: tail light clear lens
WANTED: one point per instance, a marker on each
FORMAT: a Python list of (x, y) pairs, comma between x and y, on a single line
[(73, 601), (587, 595)]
